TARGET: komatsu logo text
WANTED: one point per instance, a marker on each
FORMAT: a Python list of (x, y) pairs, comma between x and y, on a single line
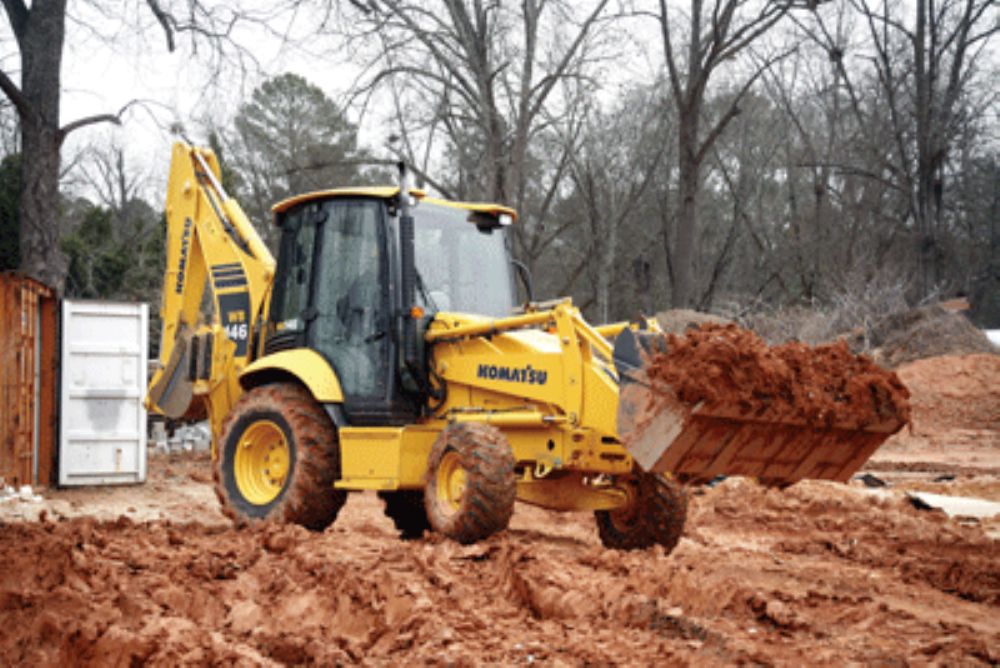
[(517, 375), (182, 263)]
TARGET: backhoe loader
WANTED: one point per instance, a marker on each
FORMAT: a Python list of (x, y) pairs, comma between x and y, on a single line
[(384, 350)]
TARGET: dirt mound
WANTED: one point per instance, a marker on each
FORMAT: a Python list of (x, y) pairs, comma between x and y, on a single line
[(679, 320), (792, 323), (817, 573), (822, 385), (956, 411), (954, 392), (928, 331)]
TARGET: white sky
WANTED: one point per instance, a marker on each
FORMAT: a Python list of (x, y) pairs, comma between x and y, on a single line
[(104, 70)]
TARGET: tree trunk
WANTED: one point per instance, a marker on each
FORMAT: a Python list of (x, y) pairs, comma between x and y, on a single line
[(689, 174), (606, 271), (41, 44), (41, 257), (689, 106)]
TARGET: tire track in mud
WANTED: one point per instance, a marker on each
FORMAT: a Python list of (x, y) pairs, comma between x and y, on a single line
[(816, 573)]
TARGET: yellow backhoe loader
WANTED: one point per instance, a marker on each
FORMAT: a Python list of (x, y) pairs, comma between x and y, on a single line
[(384, 350)]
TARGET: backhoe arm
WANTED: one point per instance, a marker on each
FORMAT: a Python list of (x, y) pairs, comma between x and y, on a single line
[(210, 242)]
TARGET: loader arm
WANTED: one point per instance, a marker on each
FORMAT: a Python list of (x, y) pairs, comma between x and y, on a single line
[(210, 242), (610, 411)]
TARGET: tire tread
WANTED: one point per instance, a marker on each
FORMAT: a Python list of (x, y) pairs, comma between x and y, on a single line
[(310, 499), (491, 486)]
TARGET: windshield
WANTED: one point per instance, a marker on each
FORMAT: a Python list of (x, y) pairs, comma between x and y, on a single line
[(461, 268)]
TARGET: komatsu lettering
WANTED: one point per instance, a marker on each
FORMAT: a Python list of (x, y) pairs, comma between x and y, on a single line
[(526, 374), (182, 264)]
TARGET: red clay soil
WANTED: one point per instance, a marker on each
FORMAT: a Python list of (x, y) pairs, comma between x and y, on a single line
[(956, 408), (729, 367), (815, 574), (955, 392)]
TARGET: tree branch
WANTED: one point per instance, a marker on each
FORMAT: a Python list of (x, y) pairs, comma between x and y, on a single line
[(93, 120), (166, 21), (544, 87), (17, 13), (15, 95), (445, 191), (668, 48), (734, 107), (432, 45), (89, 120)]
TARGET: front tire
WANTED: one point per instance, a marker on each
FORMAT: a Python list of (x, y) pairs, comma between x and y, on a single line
[(471, 486), (655, 515), (624, 528), (278, 459)]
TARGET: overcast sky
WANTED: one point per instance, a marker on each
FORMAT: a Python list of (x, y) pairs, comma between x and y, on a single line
[(112, 57), (111, 61)]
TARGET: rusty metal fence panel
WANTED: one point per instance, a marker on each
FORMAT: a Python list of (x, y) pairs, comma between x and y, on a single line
[(28, 335)]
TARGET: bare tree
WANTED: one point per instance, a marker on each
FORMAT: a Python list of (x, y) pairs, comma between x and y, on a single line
[(103, 168), (925, 73), (817, 136), (926, 70), (747, 209), (40, 30), (717, 32), (618, 157), (484, 80), (114, 245)]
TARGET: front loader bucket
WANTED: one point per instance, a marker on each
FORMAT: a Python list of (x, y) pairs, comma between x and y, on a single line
[(696, 442)]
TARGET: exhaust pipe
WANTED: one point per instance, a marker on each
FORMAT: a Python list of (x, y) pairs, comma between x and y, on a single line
[(408, 270)]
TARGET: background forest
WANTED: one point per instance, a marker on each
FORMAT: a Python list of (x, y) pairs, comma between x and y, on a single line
[(724, 155)]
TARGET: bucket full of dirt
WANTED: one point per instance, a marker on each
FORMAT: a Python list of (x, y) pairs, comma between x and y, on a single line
[(719, 401)]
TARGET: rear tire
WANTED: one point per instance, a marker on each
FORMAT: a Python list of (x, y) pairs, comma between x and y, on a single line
[(278, 459), (655, 516), (406, 510), (471, 486)]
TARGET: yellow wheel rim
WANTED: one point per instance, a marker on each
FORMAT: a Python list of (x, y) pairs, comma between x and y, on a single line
[(626, 516), (450, 482), (261, 463)]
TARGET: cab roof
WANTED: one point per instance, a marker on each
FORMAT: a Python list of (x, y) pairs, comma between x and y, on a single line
[(390, 192)]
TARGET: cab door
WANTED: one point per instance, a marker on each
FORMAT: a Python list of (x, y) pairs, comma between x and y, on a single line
[(330, 293), (351, 311)]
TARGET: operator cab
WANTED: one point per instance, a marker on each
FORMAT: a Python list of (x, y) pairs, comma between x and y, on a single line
[(337, 286)]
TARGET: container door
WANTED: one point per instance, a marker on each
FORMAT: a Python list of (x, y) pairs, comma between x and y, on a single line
[(36, 403), (102, 417)]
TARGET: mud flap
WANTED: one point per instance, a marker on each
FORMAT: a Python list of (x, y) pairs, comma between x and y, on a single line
[(695, 444)]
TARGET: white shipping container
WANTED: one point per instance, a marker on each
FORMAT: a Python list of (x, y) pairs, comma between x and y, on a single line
[(102, 434)]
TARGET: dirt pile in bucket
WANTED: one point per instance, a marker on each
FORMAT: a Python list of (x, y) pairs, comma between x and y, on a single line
[(826, 385)]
